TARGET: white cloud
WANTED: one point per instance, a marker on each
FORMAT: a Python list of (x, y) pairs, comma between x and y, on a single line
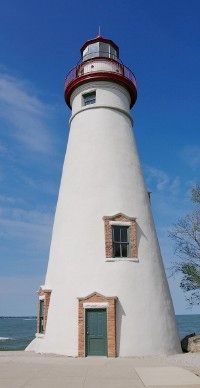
[(162, 180), (38, 184), (170, 198), (174, 185), (191, 155), (159, 177), (10, 200), (24, 114)]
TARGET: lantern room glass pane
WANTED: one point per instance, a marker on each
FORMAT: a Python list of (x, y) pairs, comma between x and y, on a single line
[(113, 53), (99, 49), (91, 51), (104, 50), (93, 48), (85, 52)]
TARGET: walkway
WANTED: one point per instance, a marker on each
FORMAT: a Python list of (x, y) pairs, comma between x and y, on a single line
[(29, 370)]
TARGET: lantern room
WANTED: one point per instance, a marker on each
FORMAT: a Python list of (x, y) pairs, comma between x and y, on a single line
[(99, 47), (100, 62)]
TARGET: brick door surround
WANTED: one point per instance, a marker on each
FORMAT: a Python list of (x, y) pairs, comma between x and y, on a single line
[(96, 300)]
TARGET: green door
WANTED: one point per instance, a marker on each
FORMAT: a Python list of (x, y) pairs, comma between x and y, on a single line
[(96, 332)]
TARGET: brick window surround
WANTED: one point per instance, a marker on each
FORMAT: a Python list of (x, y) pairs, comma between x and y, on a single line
[(96, 300), (120, 219), (43, 295)]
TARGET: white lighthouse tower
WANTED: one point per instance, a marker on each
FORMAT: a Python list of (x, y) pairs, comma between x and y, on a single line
[(105, 291)]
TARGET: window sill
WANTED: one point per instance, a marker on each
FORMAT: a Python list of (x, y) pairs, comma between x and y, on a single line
[(124, 259), (39, 335)]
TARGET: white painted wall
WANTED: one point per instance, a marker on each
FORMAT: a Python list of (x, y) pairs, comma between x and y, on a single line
[(97, 65), (101, 177)]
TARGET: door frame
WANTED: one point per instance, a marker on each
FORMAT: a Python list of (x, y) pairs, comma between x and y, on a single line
[(85, 334), (95, 301)]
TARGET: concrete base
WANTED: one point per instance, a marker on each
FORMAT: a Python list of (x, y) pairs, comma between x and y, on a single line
[(20, 369)]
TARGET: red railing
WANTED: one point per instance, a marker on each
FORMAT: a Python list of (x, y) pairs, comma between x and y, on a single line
[(99, 65)]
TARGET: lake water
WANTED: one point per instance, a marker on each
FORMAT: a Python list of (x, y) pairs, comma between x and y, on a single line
[(17, 333)]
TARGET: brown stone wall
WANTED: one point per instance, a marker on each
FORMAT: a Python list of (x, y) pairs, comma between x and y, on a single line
[(111, 311), (47, 295), (108, 233), (111, 322), (81, 330)]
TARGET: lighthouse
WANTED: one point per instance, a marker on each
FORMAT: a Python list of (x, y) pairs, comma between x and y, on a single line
[(105, 292)]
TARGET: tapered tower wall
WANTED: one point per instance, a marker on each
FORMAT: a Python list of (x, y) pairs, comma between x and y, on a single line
[(102, 177)]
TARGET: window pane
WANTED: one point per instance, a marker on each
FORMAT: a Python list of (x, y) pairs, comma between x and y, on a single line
[(116, 250), (93, 51), (89, 98), (124, 250), (41, 325), (104, 50), (113, 53), (116, 233), (85, 52), (124, 234), (41, 316), (41, 308), (94, 48)]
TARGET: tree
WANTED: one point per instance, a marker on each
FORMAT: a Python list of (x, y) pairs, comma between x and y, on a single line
[(186, 236)]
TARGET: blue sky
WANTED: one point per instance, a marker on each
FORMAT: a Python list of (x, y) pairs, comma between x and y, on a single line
[(40, 41)]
